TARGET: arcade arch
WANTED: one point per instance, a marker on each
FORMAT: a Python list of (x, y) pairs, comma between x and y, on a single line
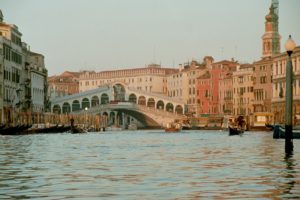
[(179, 109), (66, 108), (95, 101), (142, 101), (132, 98), (119, 92), (151, 103), (104, 98), (56, 109), (160, 105), (169, 107), (85, 103), (75, 105)]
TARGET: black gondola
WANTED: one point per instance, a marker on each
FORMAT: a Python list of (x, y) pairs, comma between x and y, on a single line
[(76, 129), (279, 132), (270, 126), (235, 131), (14, 130)]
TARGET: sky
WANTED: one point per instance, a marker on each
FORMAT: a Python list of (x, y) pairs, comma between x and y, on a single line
[(100, 35)]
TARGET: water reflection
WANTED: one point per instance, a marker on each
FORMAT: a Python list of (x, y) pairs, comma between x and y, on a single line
[(288, 176), (148, 165)]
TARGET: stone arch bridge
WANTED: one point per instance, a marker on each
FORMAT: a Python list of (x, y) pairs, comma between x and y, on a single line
[(122, 106)]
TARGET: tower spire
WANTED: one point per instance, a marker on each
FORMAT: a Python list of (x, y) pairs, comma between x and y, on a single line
[(1, 16), (271, 37)]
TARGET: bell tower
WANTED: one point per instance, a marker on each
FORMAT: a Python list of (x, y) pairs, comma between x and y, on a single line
[(271, 38), (1, 16)]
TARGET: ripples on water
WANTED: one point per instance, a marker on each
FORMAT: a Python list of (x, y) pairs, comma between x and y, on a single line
[(148, 165)]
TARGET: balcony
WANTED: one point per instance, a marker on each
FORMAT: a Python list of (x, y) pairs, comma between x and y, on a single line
[(227, 98)]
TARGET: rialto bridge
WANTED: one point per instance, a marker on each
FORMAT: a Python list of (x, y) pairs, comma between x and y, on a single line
[(122, 106)]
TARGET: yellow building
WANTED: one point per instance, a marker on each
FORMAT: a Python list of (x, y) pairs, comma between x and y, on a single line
[(149, 79), (243, 90)]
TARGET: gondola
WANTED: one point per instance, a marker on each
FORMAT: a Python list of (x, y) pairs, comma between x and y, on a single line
[(235, 131), (75, 129), (270, 126), (173, 128), (279, 132), (14, 130)]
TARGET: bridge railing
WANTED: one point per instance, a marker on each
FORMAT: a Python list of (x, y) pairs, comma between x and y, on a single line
[(160, 112), (133, 106)]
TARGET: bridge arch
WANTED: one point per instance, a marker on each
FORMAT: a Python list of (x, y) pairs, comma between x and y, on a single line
[(56, 109), (85, 103), (169, 107), (119, 92)]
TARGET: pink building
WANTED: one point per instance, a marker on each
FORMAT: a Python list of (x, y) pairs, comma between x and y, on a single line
[(225, 86), (210, 93), (204, 93)]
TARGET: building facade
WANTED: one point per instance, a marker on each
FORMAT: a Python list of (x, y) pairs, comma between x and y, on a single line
[(13, 60), (279, 87), (149, 79), (204, 89), (226, 94), (243, 90), (16, 86), (183, 84), (38, 81), (64, 84), (225, 86)]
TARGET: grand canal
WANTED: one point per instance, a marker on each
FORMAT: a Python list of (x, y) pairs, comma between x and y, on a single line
[(148, 165)]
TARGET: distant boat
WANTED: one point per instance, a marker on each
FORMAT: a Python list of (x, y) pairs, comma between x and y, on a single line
[(132, 127), (235, 131), (270, 126), (279, 132), (75, 129), (14, 130), (173, 128)]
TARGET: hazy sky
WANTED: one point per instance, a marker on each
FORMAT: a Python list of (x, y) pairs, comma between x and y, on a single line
[(113, 34)]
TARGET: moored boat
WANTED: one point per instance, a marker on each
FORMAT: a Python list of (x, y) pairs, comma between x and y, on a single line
[(279, 132)]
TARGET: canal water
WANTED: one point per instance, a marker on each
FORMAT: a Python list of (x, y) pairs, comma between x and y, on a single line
[(148, 165)]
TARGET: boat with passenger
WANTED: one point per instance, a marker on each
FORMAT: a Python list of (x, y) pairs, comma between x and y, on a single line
[(237, 126), (173, 127), (235, 131)]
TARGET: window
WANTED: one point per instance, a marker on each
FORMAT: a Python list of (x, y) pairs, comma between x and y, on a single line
[(263, 79)]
